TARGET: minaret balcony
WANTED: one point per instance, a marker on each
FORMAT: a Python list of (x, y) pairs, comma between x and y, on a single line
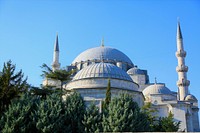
[(183, 82), (55, 65), (182, 68), (180, 53)]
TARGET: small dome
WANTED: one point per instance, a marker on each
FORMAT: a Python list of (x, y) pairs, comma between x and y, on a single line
[(108, 53), (190, 98), (156, 89), (102, 70), (136, 71)]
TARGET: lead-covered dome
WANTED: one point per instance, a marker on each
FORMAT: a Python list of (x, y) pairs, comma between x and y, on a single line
[(95, 76), (136, 71), (157, 88), (102, 70), (107, 53), (191, 97)]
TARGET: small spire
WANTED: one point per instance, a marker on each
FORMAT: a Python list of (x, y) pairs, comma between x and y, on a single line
[(155, 80), (155, 84), (56, 46), (102, 42), (179, 34)]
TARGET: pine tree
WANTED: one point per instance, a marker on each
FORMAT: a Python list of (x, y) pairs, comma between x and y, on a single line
[(74, 112), (61, 75), (12, 85), (92, 119), (50, 115), (18, 117), (167, 124), (124, 115), (152, 118), (42, 91)]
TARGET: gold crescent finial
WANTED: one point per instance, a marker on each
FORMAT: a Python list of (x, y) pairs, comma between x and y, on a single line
[(102, 42)]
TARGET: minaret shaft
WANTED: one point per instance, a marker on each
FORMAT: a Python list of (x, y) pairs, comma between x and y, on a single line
[(56, 64), (182, 69)]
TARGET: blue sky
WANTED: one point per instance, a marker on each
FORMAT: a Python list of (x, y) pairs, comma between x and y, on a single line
[(144, 30)]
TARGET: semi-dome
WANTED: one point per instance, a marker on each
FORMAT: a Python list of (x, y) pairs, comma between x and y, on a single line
[(102, 70), (107, 53), (136, 71), (156, 88), (191, 98)]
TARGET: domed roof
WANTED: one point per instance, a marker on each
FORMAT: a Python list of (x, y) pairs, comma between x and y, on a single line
[(190, 98), (135, 71), (102, 70), (108, 53), (157, 88)]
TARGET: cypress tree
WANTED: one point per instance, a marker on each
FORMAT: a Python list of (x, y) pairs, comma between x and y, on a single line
[(108, 96), (108, 93)]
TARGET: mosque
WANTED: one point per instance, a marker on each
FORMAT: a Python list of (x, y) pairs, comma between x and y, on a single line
[(95, 66)]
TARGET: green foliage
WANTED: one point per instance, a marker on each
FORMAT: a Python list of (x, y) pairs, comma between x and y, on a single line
[(92, 119), (33, 113), (108, 97), (42, 91), (18, 117), (147, 109), (167, 124), (124, 115), (12, 85), (36, 114), (62, 75), (160, 124), (75, 110), (108, 93), (50, 114)]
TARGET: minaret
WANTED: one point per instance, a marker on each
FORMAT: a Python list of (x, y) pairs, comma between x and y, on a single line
[(56, 64), (182, 69)]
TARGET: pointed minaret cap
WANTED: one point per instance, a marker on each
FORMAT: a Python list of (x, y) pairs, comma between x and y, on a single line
[(102, 42), (56, 46), (179, 34)]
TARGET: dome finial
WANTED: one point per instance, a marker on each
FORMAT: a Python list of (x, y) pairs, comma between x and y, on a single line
[(102, 42), (155, 80)]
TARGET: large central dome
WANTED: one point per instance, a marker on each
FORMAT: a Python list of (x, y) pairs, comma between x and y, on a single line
[(107, 53)]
